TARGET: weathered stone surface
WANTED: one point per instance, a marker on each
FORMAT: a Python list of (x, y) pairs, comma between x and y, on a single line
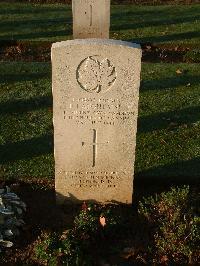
[(95, 99), (91, 19)]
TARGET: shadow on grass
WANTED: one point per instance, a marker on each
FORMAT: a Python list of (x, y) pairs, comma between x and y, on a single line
[(178, 173), (172, 37), (122, 12), (161, 179), (33, 22), (43, 34), (21, 106), (22, 10), (22, 77), (149, 23), (172, 82), (33, 28), (170, 120), (26, 149)]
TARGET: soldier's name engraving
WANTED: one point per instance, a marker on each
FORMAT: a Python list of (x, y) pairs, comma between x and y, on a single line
[(92, 110)]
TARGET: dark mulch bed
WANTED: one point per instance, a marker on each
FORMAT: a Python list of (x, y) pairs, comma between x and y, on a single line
[(41, 52), (43, 215)]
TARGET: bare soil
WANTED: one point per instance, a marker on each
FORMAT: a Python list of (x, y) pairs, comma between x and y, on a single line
[(41, 52)]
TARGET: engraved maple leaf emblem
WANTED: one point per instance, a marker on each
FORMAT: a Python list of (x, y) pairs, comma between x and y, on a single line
[(94, 75)]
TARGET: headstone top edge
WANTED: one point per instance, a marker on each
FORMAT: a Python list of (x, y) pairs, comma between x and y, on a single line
[(95, 42)]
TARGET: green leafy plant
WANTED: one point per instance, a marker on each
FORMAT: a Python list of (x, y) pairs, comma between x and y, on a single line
[(76, 246), (174, 225), (48, 248)]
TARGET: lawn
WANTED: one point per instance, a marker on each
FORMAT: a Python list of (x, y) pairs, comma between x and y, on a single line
[(168, 140), (174, 25)]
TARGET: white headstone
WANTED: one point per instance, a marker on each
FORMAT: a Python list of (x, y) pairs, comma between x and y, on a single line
[(91, 19), (95, 108)]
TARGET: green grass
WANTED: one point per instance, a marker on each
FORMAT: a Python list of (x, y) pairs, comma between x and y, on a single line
[(26, 120), (161, 24), (168, 140), (177, 25)]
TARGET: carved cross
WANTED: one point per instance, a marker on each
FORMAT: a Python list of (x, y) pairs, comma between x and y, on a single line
[(94, 145)]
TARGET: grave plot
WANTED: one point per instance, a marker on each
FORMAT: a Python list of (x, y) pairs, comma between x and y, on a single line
[(167, 150)]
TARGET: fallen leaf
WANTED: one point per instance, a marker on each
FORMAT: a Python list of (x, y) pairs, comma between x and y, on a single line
[(64, 234), (178, 71), (140, 260), (164, 259), (102, 220)]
